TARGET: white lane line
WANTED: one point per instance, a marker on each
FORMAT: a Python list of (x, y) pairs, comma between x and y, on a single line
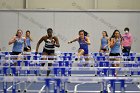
[(12, 86), (42, 89), (138, 86), (75, 88)]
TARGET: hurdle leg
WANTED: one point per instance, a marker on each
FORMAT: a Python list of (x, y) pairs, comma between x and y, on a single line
[(39, 71), (14, 87), (5, 71), (62, 87), (35, 71), (104, 87), (18, 74), (25, 84), (18, 85), (26, 73), (57, 86), (122, 86), (49, 71), (5, 87), (10, 71), (47, 87), (5, 83), (138, 72), (25, 87), (112, 83)]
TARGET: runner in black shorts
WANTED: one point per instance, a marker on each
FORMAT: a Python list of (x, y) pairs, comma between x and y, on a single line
[(104, 43), (49, 49), (115, 45), (18, 41)]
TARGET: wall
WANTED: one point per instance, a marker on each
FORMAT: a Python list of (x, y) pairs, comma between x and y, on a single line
[(60, 4), (12, 4), (118, 4), (66, 26), (68, 4)]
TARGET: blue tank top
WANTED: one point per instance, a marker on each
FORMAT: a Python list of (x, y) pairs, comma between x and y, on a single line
[(28, 42), (116, 47), (104, 42), (83, 45), (18, 45)]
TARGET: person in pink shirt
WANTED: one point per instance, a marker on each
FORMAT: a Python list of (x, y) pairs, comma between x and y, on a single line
[(127, 42)]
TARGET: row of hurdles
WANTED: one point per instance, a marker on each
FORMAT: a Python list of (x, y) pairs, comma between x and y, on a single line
[(62, 67)]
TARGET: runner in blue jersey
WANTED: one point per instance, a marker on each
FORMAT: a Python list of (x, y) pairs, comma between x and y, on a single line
[(83, 41), (104, 43), (18, 41), (28, 42), (115, 45)]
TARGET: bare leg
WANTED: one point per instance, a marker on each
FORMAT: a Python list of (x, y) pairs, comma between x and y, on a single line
[(28, 50), (80, 53), (44, 54), (50, 64), (107, 51), (45, 58), (86, 59), (101, 51), (19, 57), (115, 65)]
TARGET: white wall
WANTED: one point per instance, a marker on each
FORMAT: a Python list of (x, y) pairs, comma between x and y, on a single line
[(60, 4), (12, 4), (8, 26), (68, 4), (118, 4), (66, 26)]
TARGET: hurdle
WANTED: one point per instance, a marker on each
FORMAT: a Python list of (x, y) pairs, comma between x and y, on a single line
[(63, 67)]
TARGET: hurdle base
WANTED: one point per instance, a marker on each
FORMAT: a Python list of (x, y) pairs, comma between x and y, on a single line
[(25, 90), (104, 91), (10, 74), (19, 90)]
